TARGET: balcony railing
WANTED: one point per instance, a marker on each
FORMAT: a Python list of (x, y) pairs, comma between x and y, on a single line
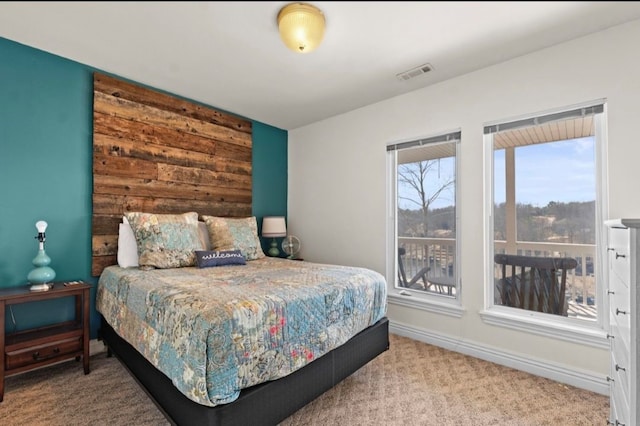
[(439, 255)]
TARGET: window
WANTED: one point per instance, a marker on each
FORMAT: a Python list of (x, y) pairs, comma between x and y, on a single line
[(547, 198), (423, 217)]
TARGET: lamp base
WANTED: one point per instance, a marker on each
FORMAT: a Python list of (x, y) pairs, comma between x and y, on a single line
[(42, 273), (41, 287), (273, 250)]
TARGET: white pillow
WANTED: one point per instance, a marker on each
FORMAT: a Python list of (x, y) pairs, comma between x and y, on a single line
[(204, 235), (128, 248)]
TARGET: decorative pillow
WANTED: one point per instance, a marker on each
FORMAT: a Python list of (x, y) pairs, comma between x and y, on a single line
[(166, 240), (209, 258), (232, 233), (127, 246)]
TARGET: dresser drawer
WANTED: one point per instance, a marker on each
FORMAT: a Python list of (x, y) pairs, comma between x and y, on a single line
[(620, 352), (619, 295), (36, 354), (621, 330), (620, 267), (619, 253), (619, 239), (619, 408), (619, 372)]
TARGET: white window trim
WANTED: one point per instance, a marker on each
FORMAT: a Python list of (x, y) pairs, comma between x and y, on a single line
[(412, 299), (568, 329), (543, 325), (434, 303)]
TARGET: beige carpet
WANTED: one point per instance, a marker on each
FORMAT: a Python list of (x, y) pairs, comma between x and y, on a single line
[(411, 384)]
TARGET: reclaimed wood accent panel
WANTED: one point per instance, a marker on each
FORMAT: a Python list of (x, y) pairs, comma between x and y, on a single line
[(156, 153)]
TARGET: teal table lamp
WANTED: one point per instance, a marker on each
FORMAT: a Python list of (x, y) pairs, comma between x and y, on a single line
[(42, 274), (274, 227)]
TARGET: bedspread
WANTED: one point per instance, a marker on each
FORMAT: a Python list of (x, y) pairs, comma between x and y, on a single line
[(215, 331)]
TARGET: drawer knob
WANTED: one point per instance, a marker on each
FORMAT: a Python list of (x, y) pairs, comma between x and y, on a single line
[(618, 312), (611, 292), (620, 424), (56, 350), (620, 255), (36, 355), (610, 336), (609, 379), (618, 368)]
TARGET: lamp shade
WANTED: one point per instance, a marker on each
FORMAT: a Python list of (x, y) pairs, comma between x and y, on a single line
[(274, 226), (301, 27)]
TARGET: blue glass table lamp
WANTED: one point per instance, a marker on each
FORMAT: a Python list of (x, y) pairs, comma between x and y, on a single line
[(42, 274)]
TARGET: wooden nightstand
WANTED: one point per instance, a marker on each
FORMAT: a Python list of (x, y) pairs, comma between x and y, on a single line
[(29, 349)]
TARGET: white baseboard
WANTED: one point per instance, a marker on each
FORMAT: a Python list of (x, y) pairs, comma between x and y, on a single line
[(560, 373)]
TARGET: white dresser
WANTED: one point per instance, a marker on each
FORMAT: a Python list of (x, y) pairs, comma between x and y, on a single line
[(623, 289)]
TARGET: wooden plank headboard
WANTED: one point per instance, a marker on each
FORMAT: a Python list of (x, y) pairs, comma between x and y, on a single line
[(156, 153)]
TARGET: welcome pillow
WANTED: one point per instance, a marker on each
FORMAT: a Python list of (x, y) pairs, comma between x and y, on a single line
[(208, 258)]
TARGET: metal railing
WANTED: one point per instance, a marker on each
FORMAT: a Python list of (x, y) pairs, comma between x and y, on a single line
[(439, 255)]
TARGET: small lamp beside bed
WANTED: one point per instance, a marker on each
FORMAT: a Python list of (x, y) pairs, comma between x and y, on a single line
[(274, 227), (42, 275)]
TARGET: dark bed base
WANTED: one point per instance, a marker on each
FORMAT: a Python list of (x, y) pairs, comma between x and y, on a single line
[(265, 404)]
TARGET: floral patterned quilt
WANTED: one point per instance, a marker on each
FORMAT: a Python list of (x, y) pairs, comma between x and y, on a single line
[(215, 331)]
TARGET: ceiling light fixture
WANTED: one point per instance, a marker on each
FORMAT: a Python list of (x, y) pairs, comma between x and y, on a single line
[(301, 27)]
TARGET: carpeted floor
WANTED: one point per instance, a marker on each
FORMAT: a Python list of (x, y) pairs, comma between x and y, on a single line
[(411, 384)]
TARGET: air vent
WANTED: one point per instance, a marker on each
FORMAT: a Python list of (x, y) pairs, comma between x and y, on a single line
[(414, 72)]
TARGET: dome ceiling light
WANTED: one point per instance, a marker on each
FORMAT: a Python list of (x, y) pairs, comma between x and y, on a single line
[(301, 27)]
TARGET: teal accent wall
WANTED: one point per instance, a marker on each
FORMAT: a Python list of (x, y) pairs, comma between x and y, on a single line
[(46, 116), (269, 175)]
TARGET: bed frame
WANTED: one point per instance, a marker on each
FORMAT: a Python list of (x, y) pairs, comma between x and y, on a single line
[(265, 404)]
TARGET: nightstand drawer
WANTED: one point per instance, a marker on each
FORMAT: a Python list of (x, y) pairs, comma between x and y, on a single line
[(36, 354)]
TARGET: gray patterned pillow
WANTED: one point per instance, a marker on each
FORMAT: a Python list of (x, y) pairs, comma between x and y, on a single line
[(166, 240), (232, 233)]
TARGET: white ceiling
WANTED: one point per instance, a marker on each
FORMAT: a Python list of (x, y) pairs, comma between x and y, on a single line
[(229, 54)]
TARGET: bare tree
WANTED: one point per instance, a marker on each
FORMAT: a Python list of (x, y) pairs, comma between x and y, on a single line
[(419, 177)]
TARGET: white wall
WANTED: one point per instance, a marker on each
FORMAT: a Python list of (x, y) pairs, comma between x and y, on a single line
[(337, 172)]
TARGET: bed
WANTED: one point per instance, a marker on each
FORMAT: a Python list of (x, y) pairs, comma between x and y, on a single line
[(278, 318), (211, 345), (200, 324)]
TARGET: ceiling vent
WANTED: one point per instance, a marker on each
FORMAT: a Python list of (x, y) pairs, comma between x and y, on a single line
[(414, 72)]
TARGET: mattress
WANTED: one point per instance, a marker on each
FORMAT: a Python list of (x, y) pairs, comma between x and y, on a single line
[(215, 331)]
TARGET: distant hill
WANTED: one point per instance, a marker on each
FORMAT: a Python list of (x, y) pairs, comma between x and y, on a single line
[(572, 222)]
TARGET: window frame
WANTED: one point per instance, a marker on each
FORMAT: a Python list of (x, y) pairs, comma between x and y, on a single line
[(568, 329), (451, 306)]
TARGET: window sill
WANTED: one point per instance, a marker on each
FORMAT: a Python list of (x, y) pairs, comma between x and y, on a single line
[(535, 323), (413, 300)]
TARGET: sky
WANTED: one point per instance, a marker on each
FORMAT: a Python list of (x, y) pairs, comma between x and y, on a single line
[(443, 171), (559, 171)]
